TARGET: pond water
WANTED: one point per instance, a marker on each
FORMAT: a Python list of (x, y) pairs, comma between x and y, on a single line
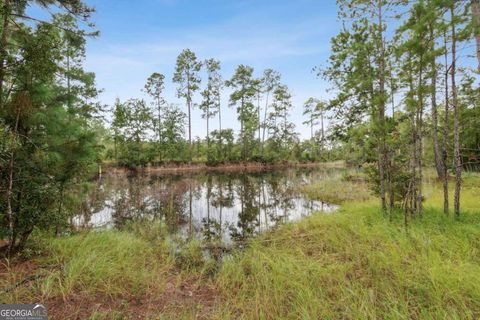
[(209, 206)]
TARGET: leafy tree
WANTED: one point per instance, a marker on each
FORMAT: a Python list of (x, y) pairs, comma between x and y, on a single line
[(225, 144), (282, 131), (311, 111), (358, 69), (13, 12), (475, 4), (173, 131), (314, 110), (133, 121)]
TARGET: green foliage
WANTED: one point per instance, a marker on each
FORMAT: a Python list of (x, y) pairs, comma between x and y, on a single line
[(224, 146), (282, 131), (173, 143), (132, 123), (49, 146)]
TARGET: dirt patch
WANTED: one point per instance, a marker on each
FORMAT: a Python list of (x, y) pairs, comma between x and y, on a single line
[(14, 272), (192, 296)]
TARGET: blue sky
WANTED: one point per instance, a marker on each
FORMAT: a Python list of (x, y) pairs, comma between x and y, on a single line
[(145, 36)]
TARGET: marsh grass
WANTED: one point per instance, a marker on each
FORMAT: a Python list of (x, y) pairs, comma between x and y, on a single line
[(337, 191)]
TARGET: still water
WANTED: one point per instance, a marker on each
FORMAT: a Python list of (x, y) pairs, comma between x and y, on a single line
[(209, 206)]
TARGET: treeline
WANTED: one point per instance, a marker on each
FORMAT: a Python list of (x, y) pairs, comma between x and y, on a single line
[(405, 91), (153, 132)]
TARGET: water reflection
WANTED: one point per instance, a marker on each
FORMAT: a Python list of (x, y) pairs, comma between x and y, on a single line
[(215, 206)]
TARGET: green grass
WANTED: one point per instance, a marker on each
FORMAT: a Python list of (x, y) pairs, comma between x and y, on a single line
[(337, 191), (470, 195), (109, 263), (358, 265)]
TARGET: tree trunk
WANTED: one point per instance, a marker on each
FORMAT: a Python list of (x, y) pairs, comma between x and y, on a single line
[(189, 105), (436, 147), (242, 133), (159, 109), (311, 127), (411, 201), (208, 130), (265, 121), (60, 205), (419, 149), (381, 112), (445, 135), (189, 132), (258, 115), (323, 132), (456, 121), (10, 215), (220, 126)]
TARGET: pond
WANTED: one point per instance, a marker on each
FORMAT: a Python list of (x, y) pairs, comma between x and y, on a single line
[(229, 206)]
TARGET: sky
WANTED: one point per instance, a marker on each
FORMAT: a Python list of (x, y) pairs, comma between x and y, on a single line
[(140, 37)]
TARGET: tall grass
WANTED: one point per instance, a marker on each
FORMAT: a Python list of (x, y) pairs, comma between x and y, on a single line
[(337, 191), (109, 263), (358, 265)]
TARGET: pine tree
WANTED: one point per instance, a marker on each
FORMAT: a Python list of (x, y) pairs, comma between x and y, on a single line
[(154, 88), (243, 84), (188, 80), (211, 96)]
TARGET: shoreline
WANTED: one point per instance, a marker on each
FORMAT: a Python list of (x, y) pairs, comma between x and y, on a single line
[(227, 167)]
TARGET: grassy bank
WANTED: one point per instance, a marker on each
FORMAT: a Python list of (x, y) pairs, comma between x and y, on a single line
[(353, 264), (358, 265)]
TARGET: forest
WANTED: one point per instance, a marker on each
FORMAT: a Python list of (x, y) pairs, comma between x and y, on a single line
[(121, 211)]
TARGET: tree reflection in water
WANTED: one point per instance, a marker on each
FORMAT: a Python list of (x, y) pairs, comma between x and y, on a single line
[(222, 207)]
